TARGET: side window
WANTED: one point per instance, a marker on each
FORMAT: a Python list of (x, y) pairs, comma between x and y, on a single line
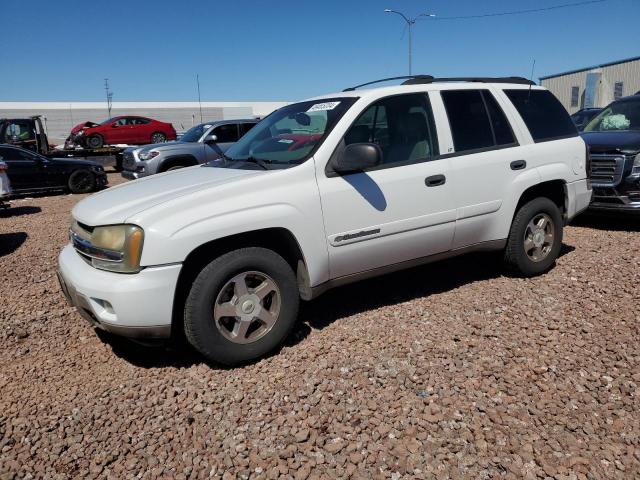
[(402, 126), (543, 114), (121, 122), (15, 155), (140, 121), (19, 131), (469, 120), (245, 127), (226, 133), (499, 123)]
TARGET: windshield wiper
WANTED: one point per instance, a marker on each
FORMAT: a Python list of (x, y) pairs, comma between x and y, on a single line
[(258, 161)]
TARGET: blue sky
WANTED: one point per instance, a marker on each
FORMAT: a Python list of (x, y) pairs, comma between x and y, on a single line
[(287, 50)]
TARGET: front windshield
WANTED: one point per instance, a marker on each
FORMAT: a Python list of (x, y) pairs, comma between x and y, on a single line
[(194, 133), (107, 121), (291, 134), (617, 116)]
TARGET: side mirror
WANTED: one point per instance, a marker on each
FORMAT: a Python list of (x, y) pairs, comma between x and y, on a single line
[(358, 157), (114, 125), (211, 138)]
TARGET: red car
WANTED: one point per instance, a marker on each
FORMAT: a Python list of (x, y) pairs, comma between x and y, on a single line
[(125, 129)]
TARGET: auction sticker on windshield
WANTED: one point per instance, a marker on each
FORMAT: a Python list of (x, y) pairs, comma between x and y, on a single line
[(322, 107)]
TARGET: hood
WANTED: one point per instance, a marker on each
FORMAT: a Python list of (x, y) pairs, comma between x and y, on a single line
[(156, 146), (117, 204), (626, 142), (82, 126)]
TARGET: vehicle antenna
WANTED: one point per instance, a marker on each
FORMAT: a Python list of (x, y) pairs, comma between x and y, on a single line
[(199, 102), (531, 78)]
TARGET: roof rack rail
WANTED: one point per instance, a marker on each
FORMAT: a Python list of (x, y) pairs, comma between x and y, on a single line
[(423, 78), (517, 80)]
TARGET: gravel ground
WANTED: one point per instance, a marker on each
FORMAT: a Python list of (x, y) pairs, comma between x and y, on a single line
[(447, 371)]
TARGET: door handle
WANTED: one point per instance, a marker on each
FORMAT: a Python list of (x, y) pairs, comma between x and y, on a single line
[(435, 180), (518, 165)]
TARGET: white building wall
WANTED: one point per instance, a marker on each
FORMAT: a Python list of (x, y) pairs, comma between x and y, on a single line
[(627, 72), (62, 116)]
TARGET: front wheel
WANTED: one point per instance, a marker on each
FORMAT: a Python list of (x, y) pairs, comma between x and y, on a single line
[(535, 238), (82, 181), (241, 306)]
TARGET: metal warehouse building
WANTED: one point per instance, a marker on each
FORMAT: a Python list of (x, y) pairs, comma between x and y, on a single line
[(595, 86), (60, 117)]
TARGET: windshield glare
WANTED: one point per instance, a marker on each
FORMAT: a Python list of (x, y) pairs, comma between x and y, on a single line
[(617, 116), (291, 134), (194, 133)]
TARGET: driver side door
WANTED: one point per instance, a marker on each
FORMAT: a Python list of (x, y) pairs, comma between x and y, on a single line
[(398, 211)]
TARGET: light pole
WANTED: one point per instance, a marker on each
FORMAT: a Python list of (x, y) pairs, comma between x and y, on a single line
[(410, 23)]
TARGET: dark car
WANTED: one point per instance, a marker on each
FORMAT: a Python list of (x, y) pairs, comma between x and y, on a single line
[(30, 172), (129, 130), (613, 138), (582, 117)]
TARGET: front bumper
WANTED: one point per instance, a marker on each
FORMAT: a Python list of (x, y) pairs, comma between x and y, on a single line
[(137, 306), (624, 197), (101, 179), (130, 175)]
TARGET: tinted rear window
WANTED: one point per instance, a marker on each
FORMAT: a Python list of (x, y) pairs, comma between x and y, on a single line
[(543, 114)]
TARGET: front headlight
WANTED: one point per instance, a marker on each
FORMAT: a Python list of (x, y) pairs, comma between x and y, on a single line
[(81, 132), (116, 248), (148, 155)]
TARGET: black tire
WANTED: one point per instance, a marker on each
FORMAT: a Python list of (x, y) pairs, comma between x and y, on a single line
[(158, 137), (516, 256), (94, 141), (200, 326), (174, 167), (82, 181)]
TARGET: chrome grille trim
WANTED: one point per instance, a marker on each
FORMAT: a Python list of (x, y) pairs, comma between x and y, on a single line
[(606, 170)]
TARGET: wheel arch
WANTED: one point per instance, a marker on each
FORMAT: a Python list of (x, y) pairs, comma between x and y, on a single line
[(184, 160), (278, 239), (554, 190)]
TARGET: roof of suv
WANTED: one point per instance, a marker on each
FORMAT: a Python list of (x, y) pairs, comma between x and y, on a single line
[(398, 89)]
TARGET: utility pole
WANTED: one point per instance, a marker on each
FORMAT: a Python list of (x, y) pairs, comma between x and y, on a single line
[(109, 96), (410, 23), (199, 102)]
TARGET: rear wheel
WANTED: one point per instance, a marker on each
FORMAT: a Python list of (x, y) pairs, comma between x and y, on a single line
[(82, 181), (241, 306), (535, 238), (95, 141), (158, 137)]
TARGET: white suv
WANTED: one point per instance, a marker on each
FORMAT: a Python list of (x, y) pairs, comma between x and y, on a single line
[(321, 193)]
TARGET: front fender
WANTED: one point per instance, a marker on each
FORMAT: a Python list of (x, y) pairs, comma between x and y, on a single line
[(165, 245)]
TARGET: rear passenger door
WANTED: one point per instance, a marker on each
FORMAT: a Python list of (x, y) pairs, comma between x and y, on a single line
[(485, 157), (398, 211)]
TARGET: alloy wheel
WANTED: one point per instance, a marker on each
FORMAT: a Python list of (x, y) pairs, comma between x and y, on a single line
[(539, 237), (247, 307)]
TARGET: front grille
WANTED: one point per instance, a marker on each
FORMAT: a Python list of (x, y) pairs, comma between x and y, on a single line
[(128, 162), (606, 170)]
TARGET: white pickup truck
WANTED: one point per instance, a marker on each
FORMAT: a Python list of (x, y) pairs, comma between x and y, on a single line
[(321, 193)]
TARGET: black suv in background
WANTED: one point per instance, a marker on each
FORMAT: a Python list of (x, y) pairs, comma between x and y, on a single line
[(613, 138), (582, 117), (30, 172)]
